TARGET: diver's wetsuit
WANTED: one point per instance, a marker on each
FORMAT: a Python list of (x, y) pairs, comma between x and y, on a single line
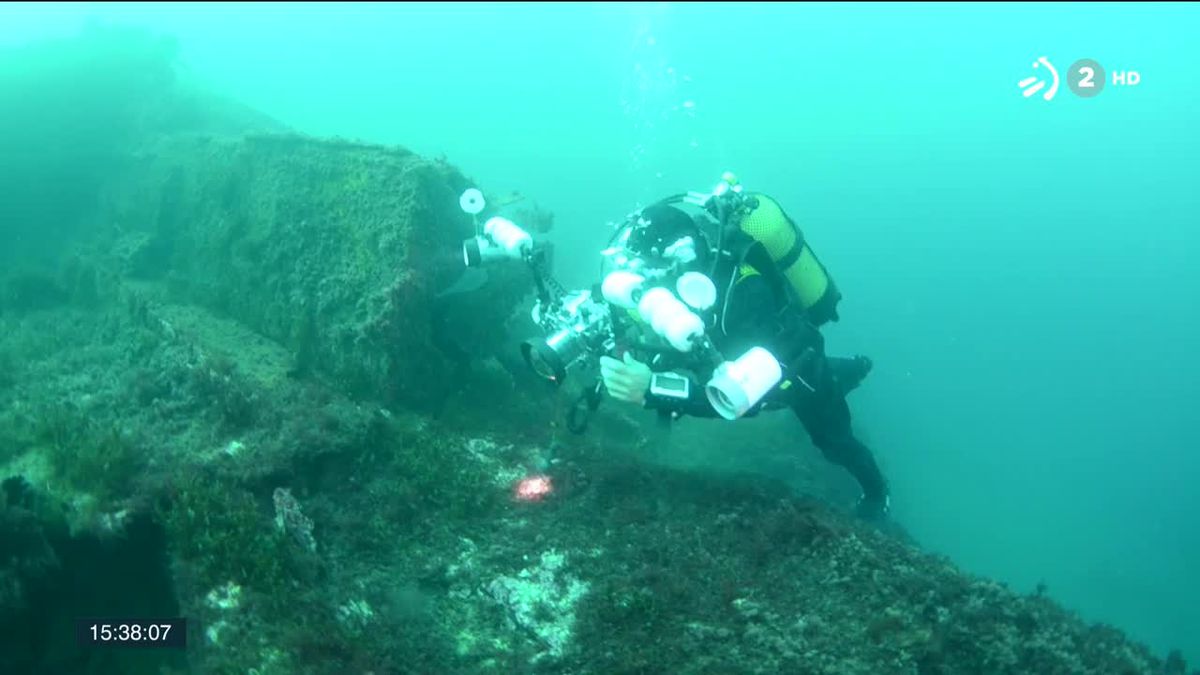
[(753, 320)]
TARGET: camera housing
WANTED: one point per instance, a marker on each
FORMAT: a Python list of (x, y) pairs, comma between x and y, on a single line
[(577, 326)]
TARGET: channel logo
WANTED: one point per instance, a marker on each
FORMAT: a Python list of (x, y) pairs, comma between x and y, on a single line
[(1034, 84), (1086, 78)]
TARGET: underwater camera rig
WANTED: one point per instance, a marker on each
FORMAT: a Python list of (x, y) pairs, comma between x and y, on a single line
[(576, 325), (582, 325)]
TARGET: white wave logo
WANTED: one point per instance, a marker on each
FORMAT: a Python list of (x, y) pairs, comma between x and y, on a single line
[(1033, 84)]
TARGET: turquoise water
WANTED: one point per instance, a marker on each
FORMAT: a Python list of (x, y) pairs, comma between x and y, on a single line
[(1019, 269)]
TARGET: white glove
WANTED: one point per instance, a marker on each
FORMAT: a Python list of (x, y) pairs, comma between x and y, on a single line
[(625, 381)]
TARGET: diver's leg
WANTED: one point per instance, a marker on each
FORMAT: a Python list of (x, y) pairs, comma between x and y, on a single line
[(826, 418)]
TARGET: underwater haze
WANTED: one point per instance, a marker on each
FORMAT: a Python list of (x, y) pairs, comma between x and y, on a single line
[(1021, 271)]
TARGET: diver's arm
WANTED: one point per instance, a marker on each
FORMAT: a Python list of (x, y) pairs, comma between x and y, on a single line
[(751, 318), (628, 379)]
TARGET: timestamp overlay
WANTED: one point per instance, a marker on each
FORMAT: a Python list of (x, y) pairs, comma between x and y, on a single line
[(138, 632)]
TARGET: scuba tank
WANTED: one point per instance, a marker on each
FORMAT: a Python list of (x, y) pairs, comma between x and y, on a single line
[(753, 230), (762, 219)]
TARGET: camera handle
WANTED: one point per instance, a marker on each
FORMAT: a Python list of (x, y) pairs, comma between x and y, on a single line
[(549, 290)]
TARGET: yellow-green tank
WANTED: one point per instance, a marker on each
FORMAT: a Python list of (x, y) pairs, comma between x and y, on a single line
[(784, 241)]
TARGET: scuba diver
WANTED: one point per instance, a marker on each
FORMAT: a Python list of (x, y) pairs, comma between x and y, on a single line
[(717, 313), (771, 292)]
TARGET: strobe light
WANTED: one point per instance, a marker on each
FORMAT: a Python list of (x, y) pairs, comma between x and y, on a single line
[(501, 238), (737, 386), (623, 288), (670, 318)]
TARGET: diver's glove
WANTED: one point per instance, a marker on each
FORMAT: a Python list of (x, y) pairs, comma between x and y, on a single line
[(626, 380)]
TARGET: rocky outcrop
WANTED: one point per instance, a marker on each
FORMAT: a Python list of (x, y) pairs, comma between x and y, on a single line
[(335, 250)]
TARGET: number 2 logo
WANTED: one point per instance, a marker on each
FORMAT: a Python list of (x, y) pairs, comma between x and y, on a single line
[(1086, 78), (1087, 74)]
